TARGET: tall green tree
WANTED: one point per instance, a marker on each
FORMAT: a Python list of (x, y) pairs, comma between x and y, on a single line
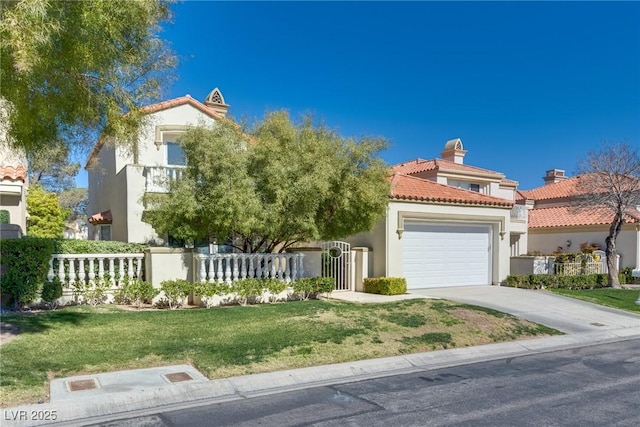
[(73, 69), (284, 183), (51, 168), (46, 216)]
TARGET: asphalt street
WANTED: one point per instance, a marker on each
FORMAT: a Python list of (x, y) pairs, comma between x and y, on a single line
[(589, 386)]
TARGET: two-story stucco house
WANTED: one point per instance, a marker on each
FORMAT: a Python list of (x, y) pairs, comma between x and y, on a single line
[(13, 190), (555, 223), (120, 174), (447, 224)]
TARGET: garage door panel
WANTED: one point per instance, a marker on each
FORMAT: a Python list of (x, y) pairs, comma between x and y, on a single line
[(445, 255)]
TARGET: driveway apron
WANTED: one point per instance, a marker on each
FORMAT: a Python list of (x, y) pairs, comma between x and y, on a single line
[(562, 313)]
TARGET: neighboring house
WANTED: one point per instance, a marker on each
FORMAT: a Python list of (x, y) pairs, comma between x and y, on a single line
[(447, 224), (77, 229), (556, 223), (119, 176), (13, 190)]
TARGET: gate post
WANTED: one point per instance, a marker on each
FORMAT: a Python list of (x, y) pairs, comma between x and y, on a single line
[(361, 268)]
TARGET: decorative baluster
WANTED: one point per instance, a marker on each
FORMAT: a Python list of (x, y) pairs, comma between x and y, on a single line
[(120, 271), (130, 267), (212, 270), (139, 267), (236, 268), (274, 274), (218, 269), (243, 266), (251, 273), (50, 274), (81, 273), (92, 274), (287, 268), (72, 271), (61, 272), (259, 266), (101, 269), (227, 271), (294, 267), (112, 272)]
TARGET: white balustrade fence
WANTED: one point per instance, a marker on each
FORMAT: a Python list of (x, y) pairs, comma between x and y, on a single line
[(229, 267), (159, 177), (89, 268)]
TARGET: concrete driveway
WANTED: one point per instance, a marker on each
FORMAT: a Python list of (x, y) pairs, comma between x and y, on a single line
[(564, 314)]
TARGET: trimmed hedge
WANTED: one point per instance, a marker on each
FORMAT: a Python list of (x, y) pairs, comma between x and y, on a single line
[(385, 285), (26, 264), (312, 287), (543, 281), (66, 246)]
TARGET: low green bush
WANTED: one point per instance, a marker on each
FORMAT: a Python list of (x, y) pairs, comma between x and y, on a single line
[(136, 292), (26, 264), (247, 290), (91, 293), (176, 291), (385, 285), (51, 291), (311, 287), (543, 281)]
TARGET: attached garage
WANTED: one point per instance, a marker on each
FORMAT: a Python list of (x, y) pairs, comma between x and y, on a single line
[(436, 255)]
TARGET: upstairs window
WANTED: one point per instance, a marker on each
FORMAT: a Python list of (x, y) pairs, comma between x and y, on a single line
[(474, 187), (175, 155)]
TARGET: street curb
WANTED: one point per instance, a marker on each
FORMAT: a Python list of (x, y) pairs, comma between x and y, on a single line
[(108, 407)]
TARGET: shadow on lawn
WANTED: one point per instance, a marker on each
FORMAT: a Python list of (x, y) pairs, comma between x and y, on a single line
[(36, 322)]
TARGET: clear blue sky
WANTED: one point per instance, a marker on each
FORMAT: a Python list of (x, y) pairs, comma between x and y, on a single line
[(527, 86)]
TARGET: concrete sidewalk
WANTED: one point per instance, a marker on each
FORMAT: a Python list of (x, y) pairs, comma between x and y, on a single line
[(93, 399)]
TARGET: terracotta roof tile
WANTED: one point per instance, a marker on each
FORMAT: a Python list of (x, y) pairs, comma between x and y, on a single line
[(420, 165), (565, 216), (176, 102), (405, 187), (104, 217), (559, 190), (16, 173)]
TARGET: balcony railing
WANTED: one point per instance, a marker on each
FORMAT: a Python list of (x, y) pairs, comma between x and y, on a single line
[(158, 178), (519, 213)]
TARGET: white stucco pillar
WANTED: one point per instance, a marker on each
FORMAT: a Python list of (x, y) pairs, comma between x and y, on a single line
[(636, 270)]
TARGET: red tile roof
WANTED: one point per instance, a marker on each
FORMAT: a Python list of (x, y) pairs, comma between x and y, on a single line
[(420, 165), (101, 218), (405, 187), (566, 216), (16, 173), (176, 102)]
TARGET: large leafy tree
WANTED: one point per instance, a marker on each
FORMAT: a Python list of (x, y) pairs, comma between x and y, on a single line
[(284, 183), (610, 178), (46, 216), (51, 168), (73, 69)]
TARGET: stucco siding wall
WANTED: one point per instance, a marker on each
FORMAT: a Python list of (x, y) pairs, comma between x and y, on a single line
[(548, 240), (16, 206), (137, 230), (102, 185), (496, 218), (149, 153), (375, 241)]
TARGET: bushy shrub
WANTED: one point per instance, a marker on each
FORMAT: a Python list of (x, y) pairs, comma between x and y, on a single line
[(207, 291), (26, 263), (544, 281), (247, 290), (312, 287), (385, 285), (176, 291), (91, 293), (51, 291), (136, 292)]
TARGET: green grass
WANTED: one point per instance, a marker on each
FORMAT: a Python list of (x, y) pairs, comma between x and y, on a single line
[(231, 341), (623, 299)]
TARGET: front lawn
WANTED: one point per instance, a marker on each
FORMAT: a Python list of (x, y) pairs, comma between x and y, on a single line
[(230, 341), (623, 299)]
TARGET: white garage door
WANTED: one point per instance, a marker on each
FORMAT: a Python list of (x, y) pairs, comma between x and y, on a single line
[(446, 255)]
